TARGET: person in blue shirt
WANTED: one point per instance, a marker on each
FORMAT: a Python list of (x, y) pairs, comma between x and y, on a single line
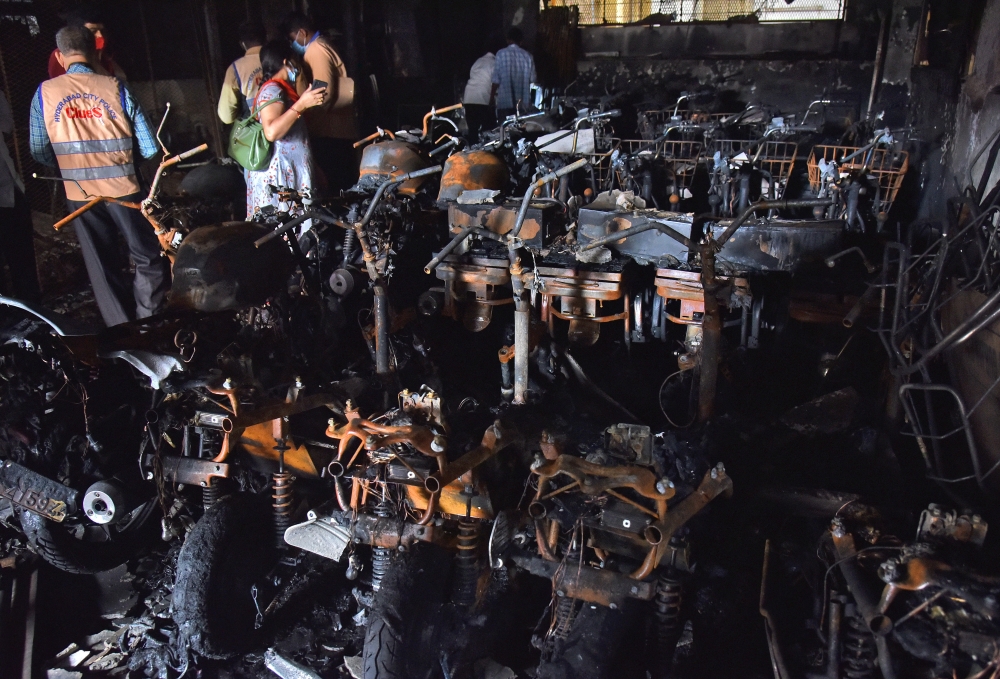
[(89, 125), (513, 74)]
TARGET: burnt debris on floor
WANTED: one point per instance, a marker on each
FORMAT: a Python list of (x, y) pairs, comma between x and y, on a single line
[(690, 373)]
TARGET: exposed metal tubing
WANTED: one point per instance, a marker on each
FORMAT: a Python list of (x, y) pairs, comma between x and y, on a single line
[(377, 198), (635, 230), (457, 240), (513, 120), (447, 249), (833, 641), (319, 215), (865, 599), (614, 113), (522, 323), (683, 97), (435, 482), (381, 330), (711, 335), (988, 312), (852, 316), (831, 261), (537, 184)]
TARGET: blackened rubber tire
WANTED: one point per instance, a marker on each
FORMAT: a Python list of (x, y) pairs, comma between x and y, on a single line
[(402, 635), (61, 550), (229, 549), (593, 649)]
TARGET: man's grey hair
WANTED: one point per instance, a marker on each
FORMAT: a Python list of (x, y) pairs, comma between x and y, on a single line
[(72, 40)]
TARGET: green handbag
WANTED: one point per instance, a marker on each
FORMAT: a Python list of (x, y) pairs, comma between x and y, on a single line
[(247, 144)]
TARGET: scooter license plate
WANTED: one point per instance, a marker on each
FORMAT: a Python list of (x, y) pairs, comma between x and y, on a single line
[(35, 492)]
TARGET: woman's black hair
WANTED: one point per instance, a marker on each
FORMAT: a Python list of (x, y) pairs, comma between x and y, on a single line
[(273, 56)]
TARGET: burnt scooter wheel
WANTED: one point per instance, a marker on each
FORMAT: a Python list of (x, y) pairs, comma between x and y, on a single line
[(403, 632), (60, 549), (595, 646), (229, 549)]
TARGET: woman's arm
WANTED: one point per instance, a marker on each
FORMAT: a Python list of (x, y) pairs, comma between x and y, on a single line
[(278, 120)]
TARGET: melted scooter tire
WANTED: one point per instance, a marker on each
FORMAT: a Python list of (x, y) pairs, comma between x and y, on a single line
[(229, 549)]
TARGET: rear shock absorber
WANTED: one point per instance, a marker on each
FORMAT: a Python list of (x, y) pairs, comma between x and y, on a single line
[(668, 622), (563, 616), (210, 493), (380, 555), (281, 484), (466, 578), (858, 656), (348, 246)]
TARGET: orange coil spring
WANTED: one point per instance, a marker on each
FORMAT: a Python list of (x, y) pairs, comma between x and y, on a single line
[(466, 563), (281, 484)]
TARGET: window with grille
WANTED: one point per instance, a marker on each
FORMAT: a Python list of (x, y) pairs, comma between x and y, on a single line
[(596, 12)]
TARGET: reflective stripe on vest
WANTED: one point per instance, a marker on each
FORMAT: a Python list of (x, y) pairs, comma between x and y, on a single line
[(95, 146), (90, 135), (92, 173)]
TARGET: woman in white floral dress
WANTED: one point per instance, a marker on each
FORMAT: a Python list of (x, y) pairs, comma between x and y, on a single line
[(279, 109)]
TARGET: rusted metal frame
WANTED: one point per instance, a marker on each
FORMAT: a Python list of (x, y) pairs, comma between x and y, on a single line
[(714, 484), (593, 585), (276, 411), (189, 470), (391, 533), (632, 503), (374, 436), (560, 491), (168, 162), (594, 319), (494, 440), (595, 479)]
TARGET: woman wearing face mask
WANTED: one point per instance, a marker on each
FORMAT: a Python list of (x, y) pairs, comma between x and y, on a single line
[(279, 110)]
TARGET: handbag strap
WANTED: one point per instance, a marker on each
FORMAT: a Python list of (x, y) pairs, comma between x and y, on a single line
[(254, 113)]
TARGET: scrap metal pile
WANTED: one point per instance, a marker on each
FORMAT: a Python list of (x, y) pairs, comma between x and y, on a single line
[(483, 415)]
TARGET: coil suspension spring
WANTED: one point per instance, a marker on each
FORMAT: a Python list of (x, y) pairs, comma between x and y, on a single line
[(566, 608), (348, 246), (211, 493), (563, 616), (466, 563), (281, 484), (380, 555), (858, 655), (669, 596)]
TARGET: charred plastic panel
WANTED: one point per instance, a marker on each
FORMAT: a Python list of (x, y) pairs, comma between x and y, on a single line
[(218, 268), (470, 171), (780, 245), (652, 246), (542, 222)]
